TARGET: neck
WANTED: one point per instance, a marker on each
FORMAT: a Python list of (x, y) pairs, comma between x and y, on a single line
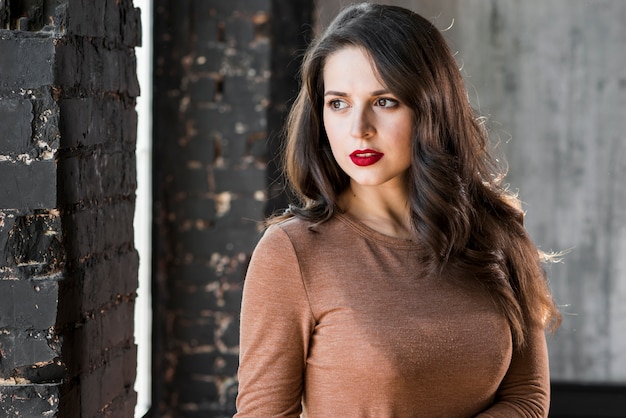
[(384, 210)]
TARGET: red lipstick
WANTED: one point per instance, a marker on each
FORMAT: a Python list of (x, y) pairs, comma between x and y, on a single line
[(365, 157)]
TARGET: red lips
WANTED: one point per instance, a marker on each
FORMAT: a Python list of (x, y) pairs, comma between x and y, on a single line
[(365, 157)]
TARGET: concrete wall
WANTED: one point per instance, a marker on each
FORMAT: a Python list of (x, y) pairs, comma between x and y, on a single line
[(551, 77)]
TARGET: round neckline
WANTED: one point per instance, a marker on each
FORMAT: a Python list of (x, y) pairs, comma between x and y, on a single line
[(370, 233)]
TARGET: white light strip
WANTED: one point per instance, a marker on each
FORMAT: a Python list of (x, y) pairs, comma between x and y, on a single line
[(143, 213)]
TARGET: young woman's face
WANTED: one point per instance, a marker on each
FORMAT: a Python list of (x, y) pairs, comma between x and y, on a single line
[(369, 129)]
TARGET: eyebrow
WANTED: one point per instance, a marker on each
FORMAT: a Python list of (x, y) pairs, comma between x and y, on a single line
[(342, 94)]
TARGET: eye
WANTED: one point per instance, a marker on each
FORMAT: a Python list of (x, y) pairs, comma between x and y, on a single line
[(337, 104), (386, 102)]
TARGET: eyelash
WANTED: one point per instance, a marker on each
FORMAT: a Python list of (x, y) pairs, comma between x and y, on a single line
[(389, 103), (334, 102)]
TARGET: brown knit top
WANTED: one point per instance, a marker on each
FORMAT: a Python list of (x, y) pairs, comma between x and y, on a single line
[(341, 322)]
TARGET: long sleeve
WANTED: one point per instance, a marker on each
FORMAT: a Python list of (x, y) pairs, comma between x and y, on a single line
[(343, 322), (276, 325), (525, 390)]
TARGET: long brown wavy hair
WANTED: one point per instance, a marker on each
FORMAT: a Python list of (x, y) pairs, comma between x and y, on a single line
[(461, 213)]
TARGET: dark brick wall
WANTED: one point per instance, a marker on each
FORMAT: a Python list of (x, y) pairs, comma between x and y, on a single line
[(221, 89), (68, 267), (31, 250)]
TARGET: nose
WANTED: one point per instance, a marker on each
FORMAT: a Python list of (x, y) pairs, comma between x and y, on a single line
[(361, 123)]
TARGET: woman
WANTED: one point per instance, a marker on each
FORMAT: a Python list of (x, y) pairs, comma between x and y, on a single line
[(404, 283)]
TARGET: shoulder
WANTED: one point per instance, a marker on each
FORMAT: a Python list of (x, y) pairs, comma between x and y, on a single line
[(302, 239), (285, 229), (298, 231), (280, 239)]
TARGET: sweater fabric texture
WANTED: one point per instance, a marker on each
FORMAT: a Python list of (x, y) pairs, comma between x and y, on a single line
[(341, 321)]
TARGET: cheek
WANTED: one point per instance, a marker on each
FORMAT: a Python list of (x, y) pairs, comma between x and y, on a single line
[(332, 129), (404, 145), (335, 148), (331, 135), (326, 125), (405, 132)]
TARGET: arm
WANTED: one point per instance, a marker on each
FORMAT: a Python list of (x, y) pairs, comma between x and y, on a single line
[(525, 390), (276, 324)]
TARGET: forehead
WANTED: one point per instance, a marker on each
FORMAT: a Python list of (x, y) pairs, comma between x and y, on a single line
[(351, 66)]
